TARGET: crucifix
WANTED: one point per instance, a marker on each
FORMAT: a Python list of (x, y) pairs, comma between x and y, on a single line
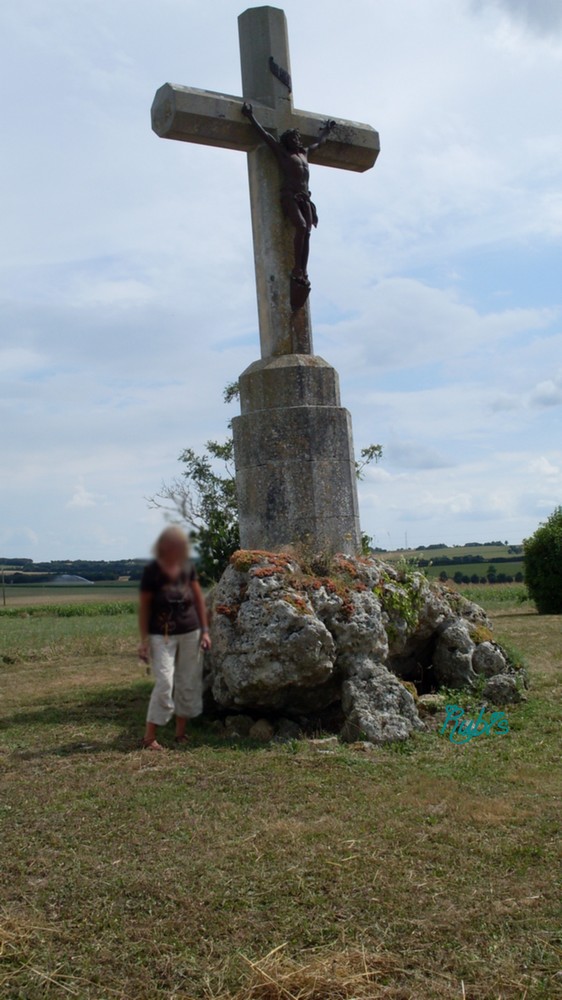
[(215, 119)]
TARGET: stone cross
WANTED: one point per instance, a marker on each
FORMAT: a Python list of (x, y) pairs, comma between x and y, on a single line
[(214, 119)]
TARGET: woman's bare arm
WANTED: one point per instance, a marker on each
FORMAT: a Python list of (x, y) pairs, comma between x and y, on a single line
[(144, 618), (201, 609)]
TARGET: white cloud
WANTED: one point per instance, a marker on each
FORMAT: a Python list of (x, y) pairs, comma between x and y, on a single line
[(83, 497), (17, 361), (542, 467), (547, 393), (402, 322)]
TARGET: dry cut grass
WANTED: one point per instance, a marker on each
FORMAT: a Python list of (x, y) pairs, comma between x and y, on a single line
[(425, 871)]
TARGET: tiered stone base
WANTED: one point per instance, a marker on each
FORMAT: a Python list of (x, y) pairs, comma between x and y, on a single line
[(295, 467)]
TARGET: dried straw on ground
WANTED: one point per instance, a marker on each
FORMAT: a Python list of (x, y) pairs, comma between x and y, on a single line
[(345, 975)]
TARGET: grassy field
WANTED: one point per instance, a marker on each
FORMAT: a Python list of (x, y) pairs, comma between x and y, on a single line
[(488, 553), (26, 595), (497, 595), (420, 872)]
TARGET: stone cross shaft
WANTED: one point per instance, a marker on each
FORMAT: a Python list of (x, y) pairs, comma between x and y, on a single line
[(215, 119)]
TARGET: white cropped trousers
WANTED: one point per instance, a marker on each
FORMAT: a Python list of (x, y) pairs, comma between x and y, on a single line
[(177, 668)]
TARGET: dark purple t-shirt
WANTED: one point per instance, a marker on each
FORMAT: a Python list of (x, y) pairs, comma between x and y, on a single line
[(172, 609)]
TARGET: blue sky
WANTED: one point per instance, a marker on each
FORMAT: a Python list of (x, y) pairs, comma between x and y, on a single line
[(127, 298)]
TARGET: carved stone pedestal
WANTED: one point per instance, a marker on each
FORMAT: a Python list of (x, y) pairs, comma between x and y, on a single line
[(295, 467)]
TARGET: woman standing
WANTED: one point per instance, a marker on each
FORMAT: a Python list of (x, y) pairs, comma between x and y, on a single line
[(174, 631)]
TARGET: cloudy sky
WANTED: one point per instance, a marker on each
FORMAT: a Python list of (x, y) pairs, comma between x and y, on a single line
[(126, 277)]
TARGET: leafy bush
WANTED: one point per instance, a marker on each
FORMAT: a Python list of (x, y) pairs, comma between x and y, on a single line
[(543, 565)]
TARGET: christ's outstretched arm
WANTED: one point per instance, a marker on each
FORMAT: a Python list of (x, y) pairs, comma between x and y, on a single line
[(322, 136), (274, 145)]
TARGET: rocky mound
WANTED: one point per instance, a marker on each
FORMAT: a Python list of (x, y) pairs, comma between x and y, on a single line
[(352, 639)]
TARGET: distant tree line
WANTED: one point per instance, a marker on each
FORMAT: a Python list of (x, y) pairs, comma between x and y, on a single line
[(492, 576), (96, 570)]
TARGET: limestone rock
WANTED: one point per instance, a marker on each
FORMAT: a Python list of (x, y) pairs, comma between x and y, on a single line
[(412, 612), (323, 743), (411, 688), (431, 703), (355, 622), (452, 659), (502, 690), (287, 730), (488, 659), (326, 638), (238, 726), (262, 730), (377, 706), (267, 647), (460, 607)]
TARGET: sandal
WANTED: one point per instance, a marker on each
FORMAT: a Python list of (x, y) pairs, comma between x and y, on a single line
[(182, 739), (151, 745)]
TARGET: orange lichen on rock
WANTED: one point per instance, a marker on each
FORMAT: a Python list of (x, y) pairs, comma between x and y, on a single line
[(345, 565), (228, 610), (243, 559), (299, 603)]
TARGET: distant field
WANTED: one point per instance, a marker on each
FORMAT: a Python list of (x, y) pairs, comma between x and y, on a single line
[(490, 555), (493, 597), (45, 593), (488, 552)]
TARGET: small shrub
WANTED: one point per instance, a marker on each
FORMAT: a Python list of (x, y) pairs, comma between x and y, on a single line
[(543, 565)]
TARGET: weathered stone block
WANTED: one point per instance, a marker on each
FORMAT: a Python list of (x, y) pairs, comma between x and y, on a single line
[(295, 468), (292, 380), (452, 659), (502, 690), (488, 659)]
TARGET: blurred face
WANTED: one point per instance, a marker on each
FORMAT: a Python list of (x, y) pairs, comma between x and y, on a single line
[(171, 558)]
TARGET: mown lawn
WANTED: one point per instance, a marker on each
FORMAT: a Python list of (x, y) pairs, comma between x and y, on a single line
[(426, 870)]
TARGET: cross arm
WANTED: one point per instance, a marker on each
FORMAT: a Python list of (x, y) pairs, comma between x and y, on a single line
[(206, 117), (351, 146), (214, 119)]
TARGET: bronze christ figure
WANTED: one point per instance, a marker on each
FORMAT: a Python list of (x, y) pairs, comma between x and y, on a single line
[(296, 202)]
